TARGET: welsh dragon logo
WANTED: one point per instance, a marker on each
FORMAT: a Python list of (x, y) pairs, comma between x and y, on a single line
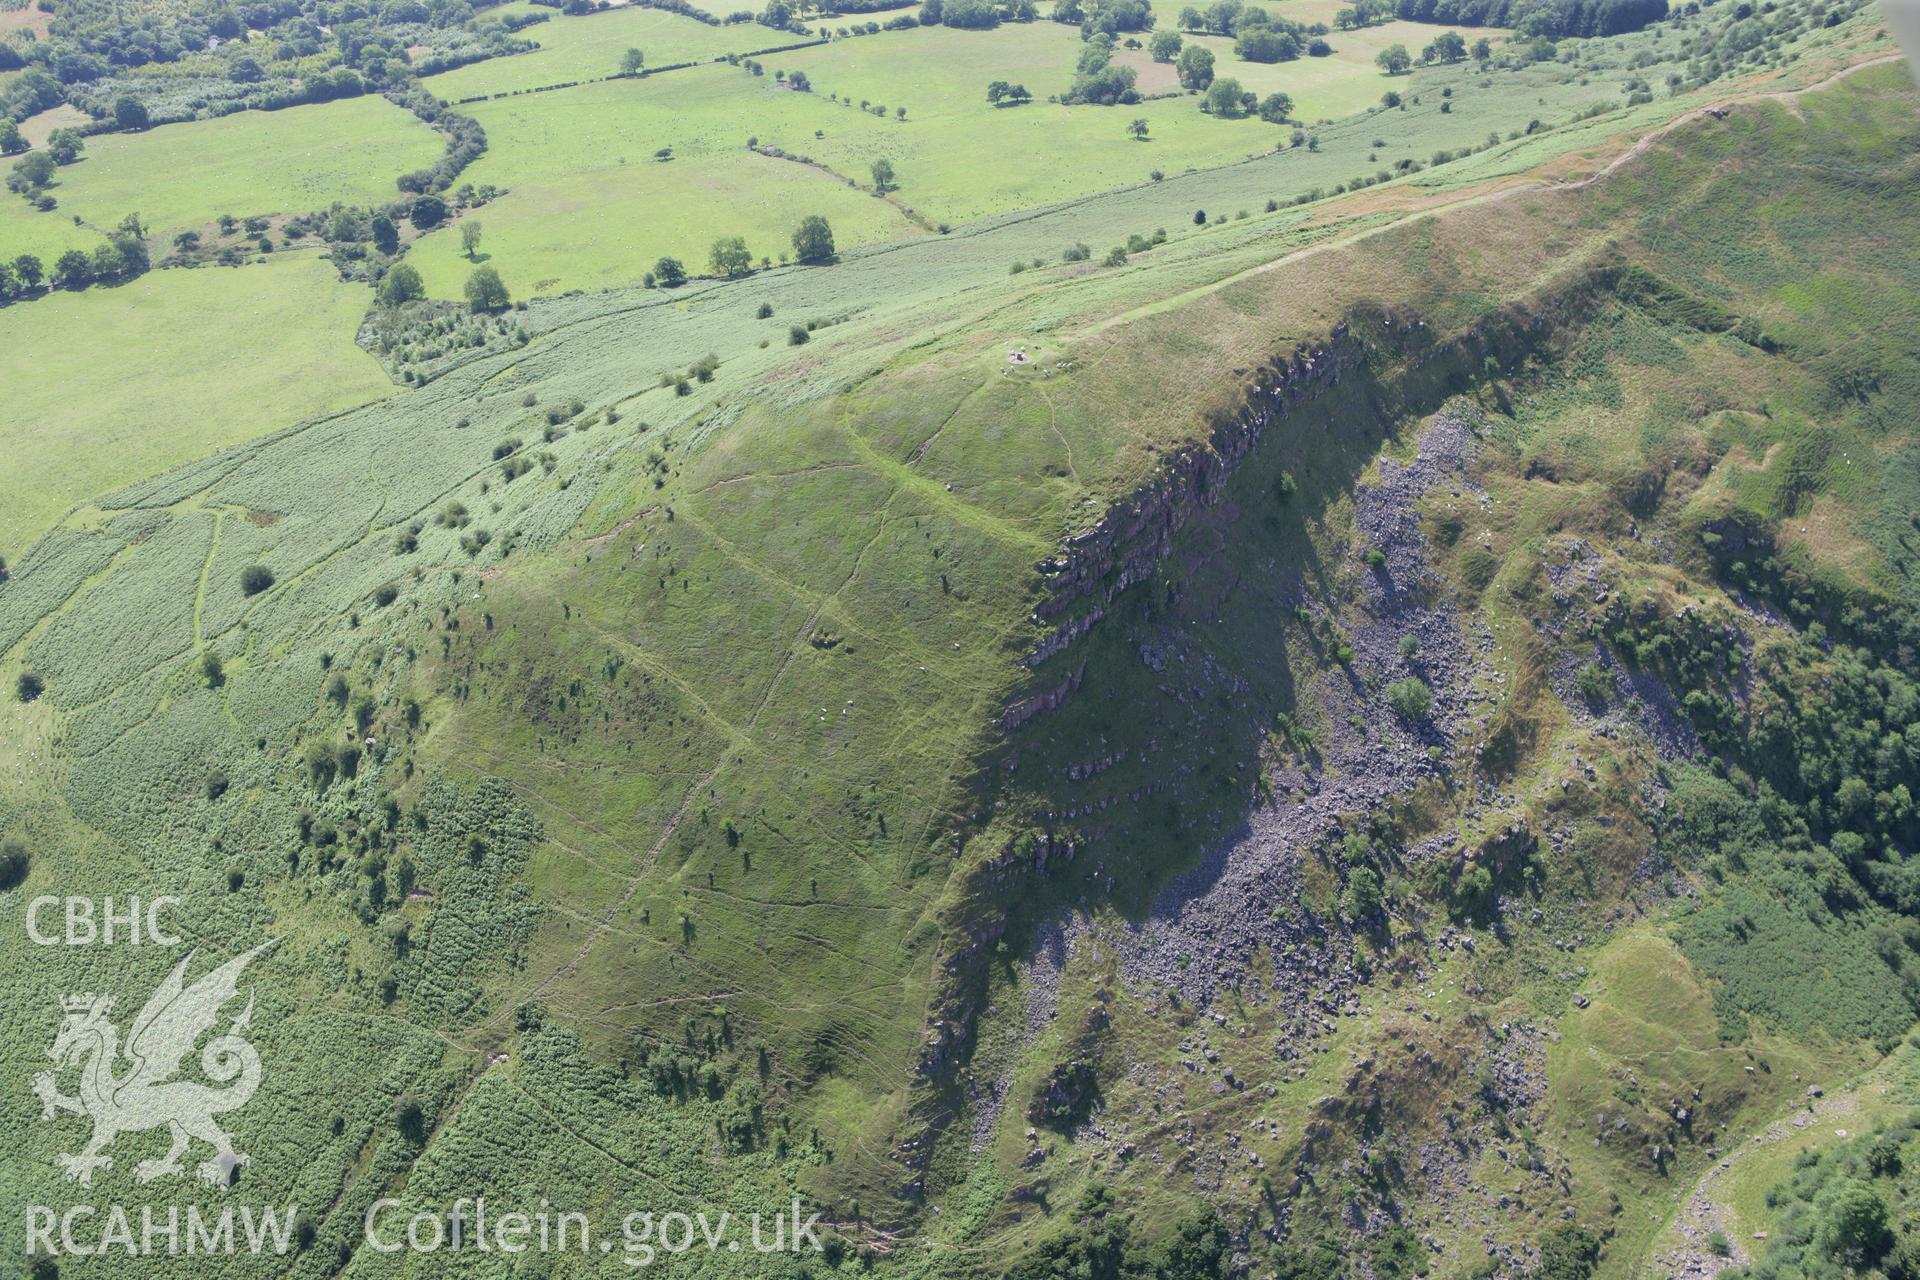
[(143, 1093)]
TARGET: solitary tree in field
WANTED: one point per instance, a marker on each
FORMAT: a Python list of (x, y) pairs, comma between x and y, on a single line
[(428, 212), (386, 237), (669, 274), (730, 257), (35, 169), (1223, 97), (883, 174), (255, 578), (13, 863), (1394, 59), (1449, 46), (72, 269), (631, 62), (1195, 67), (401, 284), (469, 238), (1275, 108), (1483, 50), (65, 145), (1165, 46), (1138, 129), (813, 240), (486, 291)]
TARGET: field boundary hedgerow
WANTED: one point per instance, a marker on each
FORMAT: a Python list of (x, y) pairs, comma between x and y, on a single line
[(643, 74)]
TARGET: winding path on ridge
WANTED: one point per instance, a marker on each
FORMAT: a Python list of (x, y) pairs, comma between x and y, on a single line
[(1479, 196)]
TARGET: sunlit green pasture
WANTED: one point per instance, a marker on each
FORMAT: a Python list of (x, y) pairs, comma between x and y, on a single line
[(1345, 81), (590, 47), (186, 377), (589, 205), (940, 71), (24, 229), (252, 162), (37, 128)]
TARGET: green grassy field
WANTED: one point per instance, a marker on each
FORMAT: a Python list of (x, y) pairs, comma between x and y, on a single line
[(1322, 89), (184, 381), (24, 229), (957, 157), (36, 128), (590, 46), (588, 205), (254, 162), (674, 720)]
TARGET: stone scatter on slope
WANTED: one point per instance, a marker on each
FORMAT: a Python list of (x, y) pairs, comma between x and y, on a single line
[(1208, 923)]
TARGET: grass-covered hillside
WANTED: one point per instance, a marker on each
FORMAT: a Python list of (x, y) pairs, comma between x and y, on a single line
[(1318, 697)]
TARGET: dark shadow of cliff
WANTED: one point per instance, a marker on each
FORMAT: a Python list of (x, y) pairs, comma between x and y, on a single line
[(1156, 759)]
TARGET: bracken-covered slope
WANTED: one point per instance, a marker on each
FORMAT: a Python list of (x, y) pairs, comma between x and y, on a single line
[(1373, 743)]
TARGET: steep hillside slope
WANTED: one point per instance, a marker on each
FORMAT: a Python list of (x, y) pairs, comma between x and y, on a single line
[(1331, 745)]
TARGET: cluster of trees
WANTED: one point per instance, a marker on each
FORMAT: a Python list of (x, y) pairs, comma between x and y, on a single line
[(123, 256), (34, 172), (1257, 35), (1002, 94), (1102, 1244), (1851, 1211), (1818, 742), (1448, 46), (466, 142), (485, 290), (105, 58), (1097, 79), (92, 39), (1103, 17), (729, 257), (1364, 13), (976, 15), (1554, 19), (779, 15), (1226, 98)]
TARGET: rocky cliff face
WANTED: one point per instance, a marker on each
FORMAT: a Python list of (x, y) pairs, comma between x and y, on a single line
[(1093, 567), (1082, 580), (1125, 544)]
